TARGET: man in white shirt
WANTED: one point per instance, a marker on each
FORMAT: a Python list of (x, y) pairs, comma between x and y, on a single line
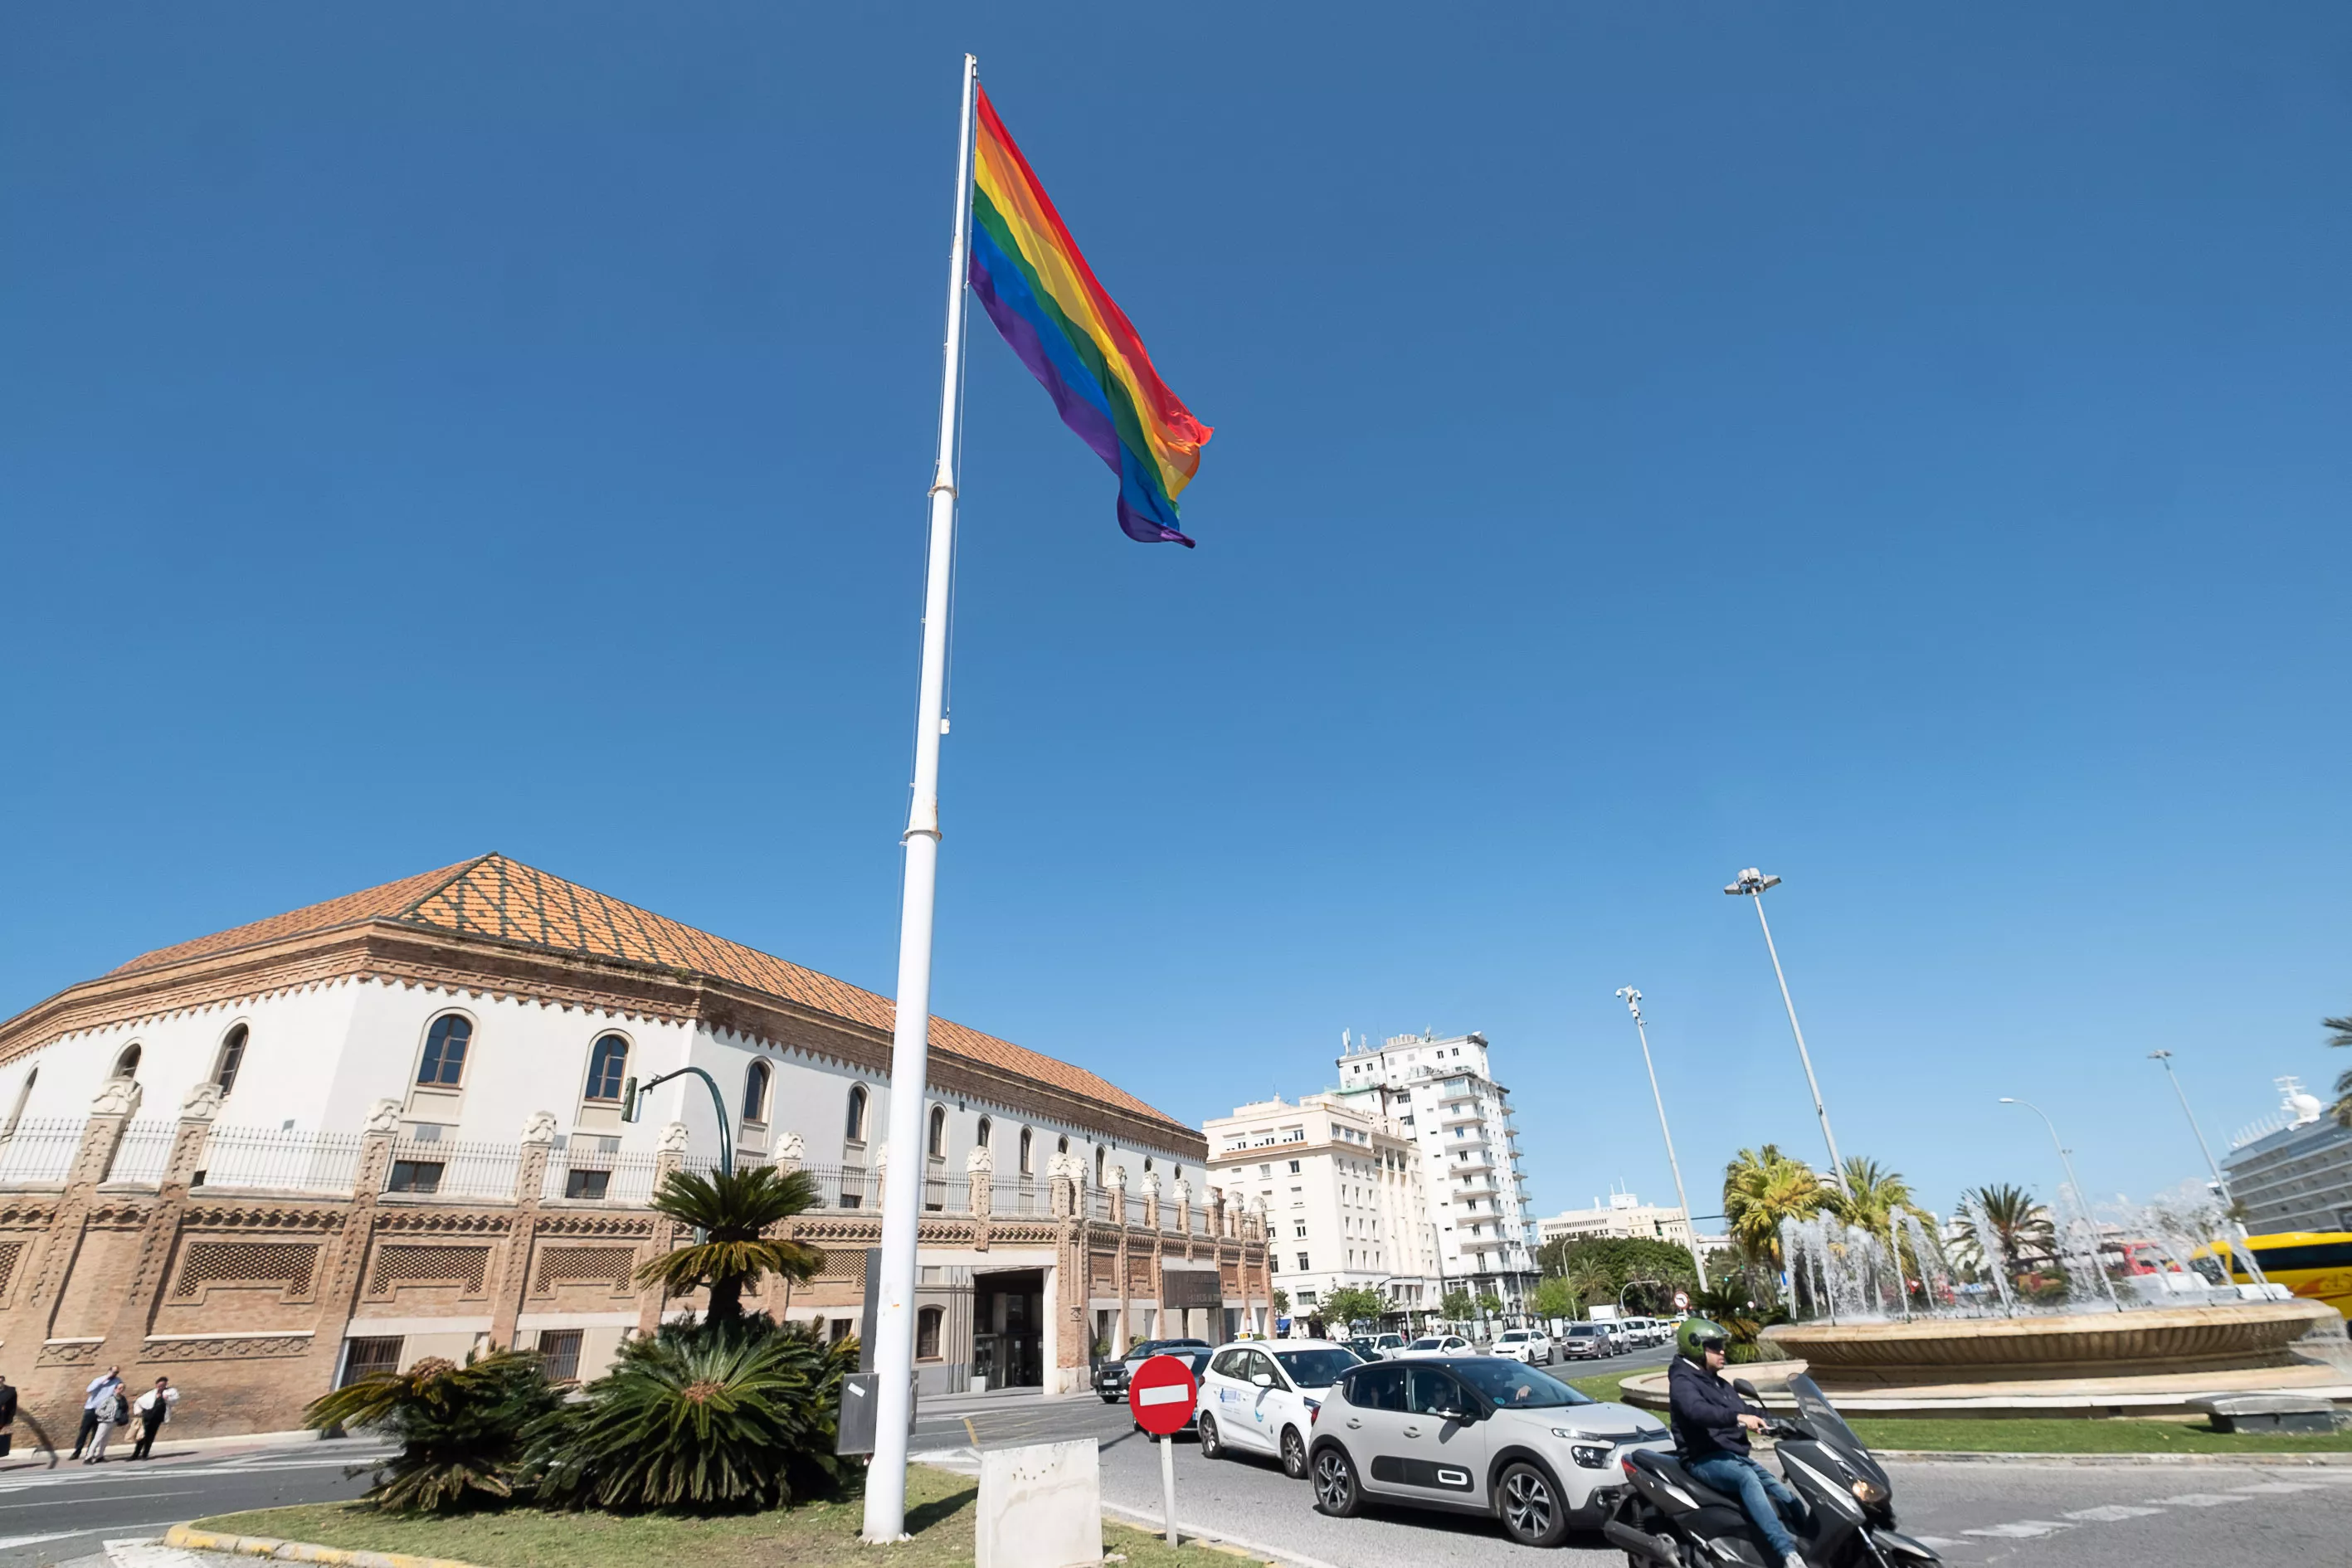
[(100, 1396), (153, 1408)]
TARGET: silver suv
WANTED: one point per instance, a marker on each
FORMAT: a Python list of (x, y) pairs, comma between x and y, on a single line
[(1475, 1435)]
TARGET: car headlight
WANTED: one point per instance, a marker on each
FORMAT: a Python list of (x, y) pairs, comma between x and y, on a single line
[(1589, 1457)]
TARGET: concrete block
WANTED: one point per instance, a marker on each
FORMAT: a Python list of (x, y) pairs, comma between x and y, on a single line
[(1040, 1507), (2270, 1413)]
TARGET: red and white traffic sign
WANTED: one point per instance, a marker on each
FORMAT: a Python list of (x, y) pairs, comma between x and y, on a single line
[(1162, 1394), (1681, 1301)]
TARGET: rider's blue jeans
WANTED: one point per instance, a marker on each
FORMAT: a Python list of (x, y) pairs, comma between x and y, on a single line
[(1758, 1489)]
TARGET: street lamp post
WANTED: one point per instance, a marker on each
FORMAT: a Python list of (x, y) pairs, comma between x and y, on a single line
[(2067, 1160), (1633, 1006), (2220, 1183), (1752, 883)]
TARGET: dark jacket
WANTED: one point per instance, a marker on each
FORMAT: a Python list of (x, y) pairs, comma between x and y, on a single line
[(7, 1404), (1707, 1411)]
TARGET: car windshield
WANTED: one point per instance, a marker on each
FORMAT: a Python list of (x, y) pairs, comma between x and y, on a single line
[(1516, 1387), (1514, 1335), (1426, 1344), (1317, 1369)]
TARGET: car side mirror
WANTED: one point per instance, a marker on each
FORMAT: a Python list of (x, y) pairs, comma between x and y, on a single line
[(1264, 1380), (1747, 1388)]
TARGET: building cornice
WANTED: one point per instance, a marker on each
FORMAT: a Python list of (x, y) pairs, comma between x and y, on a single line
[(387, 951)]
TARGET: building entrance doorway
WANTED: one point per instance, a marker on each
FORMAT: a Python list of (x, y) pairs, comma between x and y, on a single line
[(1008, 1328)]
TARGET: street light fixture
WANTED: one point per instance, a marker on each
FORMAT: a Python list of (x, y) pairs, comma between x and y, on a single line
[(1633, 1006), (2082, 1203), (1752, 883)]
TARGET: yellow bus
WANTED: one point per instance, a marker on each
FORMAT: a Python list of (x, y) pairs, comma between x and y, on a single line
[(2314, 1264)]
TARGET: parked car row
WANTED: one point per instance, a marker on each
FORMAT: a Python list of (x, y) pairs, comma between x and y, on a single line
[(1450, 1430)]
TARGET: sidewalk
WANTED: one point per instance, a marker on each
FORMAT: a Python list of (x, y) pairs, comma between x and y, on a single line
[(249, 1442), (994, 1399)]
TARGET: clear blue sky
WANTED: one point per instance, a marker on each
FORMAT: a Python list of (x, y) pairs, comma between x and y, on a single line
[(1905, 452)]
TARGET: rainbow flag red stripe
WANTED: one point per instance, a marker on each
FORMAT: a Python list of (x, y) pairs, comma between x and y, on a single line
[(1043, 298)]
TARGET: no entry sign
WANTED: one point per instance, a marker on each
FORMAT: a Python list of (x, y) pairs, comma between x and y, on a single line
[(1162, 1393)]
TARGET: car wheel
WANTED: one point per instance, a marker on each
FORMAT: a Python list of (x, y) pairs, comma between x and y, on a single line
[(1212, 1446), (1294, 1454), (1531, 1506), (1336, 1492)]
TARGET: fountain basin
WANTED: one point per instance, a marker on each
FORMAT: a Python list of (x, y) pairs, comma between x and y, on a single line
[(2244, 1336)]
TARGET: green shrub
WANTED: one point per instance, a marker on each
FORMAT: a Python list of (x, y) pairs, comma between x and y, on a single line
[(699, 1418), (461, 1427)]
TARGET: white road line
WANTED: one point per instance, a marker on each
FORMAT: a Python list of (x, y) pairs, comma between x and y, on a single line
[(2022, 1530), (112, 1496), (2111, 1513), (6, 1541), (2196, 1499), (2273, 1487)]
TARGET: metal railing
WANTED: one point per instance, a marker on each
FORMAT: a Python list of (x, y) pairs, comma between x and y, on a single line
[(452, 1169), (38, 1151), (583, 1174), (143, 1151), (272, 1159)]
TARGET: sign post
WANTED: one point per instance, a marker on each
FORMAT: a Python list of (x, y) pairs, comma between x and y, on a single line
[(1163, 1394)]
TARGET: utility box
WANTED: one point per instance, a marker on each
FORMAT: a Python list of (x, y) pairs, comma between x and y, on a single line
[(1040, 1507), (854, 1430)]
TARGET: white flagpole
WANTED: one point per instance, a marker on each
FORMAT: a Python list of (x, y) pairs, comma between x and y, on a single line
[(894, 1316)]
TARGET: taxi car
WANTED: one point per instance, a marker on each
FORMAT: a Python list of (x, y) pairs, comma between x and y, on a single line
[(1261, 1396)]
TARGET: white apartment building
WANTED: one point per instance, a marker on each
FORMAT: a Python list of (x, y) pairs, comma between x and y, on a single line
[(1442, 1095), (1624, 1215), (1342, 1189)]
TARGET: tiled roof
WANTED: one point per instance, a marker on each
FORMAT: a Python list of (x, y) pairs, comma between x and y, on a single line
[(496, 897)]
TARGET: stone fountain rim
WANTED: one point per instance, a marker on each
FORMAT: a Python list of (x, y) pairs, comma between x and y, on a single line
[(2051, 1325)]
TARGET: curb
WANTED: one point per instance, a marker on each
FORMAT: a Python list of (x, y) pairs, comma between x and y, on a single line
[(2261, 1460), (188, 1540)]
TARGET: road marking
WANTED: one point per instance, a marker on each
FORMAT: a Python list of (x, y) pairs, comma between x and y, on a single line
[(1159, 1520), (6, 1541), (972, 1431), (2022, 1530), (111, 1497), (2196, 1499), (2273, 1487), (2112, 1513)]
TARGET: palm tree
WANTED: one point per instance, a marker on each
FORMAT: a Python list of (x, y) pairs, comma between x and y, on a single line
[(1872, 1197), (733, 1211), (1761, 1187), (2020, 1226), (2341, 1034), (461, 1426), (1589, 1281)]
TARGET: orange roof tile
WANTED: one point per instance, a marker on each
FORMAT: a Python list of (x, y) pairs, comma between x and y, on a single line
[(496, 897)]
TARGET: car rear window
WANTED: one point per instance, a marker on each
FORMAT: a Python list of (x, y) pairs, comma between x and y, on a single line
[(1317, 1369), (1426, 1344)]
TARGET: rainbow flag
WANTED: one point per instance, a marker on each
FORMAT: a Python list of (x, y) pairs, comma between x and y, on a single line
[(1043, 299)]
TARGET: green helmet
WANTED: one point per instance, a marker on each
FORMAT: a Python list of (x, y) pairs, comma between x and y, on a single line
[(1698, 1336)]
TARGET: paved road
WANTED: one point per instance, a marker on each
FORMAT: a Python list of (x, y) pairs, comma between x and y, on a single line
[(2061, 1516), (49, 1516)]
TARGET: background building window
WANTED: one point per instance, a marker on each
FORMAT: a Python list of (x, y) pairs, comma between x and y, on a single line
[(366, 1357), (1026, 1165), (444, 1065), (986, 1127), (588, 1185), (936, 1143), (232, 1057), (1098, 1167), (127, 1064), (855, 1129), (608, 1064), (559, 1349), (927, 1334), (415, 1177), (755, 1092)]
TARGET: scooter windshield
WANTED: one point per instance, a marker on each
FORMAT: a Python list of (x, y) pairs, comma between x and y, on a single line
[(1830, 1426)]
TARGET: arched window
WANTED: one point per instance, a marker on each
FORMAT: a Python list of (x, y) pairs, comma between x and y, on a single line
[(1098, 1165), (232, 1057), (755, 1092), (1061, 1145), (1026, 1165), (608, 1064), (855, 1129), (1147, 1164), (986, 1128), (127, 1064), (936, 1143), (927, 1333), (444, 1062)]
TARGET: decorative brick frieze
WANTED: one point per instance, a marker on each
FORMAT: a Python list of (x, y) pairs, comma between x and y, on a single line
[(224, 1347)]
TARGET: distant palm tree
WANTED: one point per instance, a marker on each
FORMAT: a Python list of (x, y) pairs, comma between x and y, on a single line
[(733, 1210), (1761, 1187), (1871, 1196), (2341, 1034), (2020, 1226)]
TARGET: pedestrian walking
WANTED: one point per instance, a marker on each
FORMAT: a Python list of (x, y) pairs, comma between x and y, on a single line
[(114, 1413), (154, 1408), (98, 1396), (7, 1416)]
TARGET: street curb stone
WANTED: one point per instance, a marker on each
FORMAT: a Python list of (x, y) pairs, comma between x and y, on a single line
[(2242, 1461), (188, 1540)]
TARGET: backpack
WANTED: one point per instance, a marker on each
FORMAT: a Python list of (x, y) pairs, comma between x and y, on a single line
[(122, 1410)]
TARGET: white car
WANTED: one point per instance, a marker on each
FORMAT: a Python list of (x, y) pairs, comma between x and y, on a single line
[(1530, 1347), (1435, 1344), (1260, 1397)]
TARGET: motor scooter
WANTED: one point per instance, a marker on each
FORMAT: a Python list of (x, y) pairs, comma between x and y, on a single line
[(1668, 1518)]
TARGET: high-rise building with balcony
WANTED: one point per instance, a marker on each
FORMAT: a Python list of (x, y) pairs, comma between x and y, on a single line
[(1444, 1096)]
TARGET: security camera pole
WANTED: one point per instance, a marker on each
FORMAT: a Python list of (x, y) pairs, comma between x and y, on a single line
[(1633, 1006), (1752, 884)]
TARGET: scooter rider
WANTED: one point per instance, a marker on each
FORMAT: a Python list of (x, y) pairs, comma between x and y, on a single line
[(1711, 1427)]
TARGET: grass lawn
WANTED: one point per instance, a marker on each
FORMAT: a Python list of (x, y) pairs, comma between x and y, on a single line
[(813, 1535), (1603, 1384), (2029, 1436)]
